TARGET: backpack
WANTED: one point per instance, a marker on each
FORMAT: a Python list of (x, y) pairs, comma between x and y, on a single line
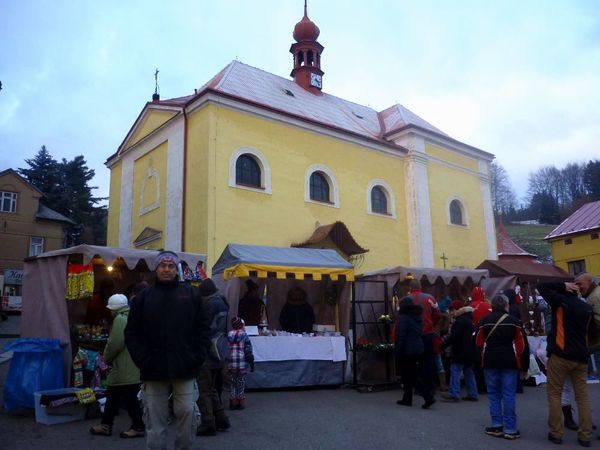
[(219, 344)]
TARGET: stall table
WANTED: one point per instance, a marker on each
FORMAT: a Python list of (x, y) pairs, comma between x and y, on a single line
[(290, 361)]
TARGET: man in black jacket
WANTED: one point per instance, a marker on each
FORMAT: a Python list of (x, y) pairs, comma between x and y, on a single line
[(167, 335), (504, 353), (567, 357)]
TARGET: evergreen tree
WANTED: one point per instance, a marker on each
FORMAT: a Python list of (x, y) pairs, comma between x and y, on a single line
[(44, 173), (591, 179)]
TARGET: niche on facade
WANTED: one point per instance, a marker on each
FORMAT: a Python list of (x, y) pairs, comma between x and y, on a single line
[(150, 191)]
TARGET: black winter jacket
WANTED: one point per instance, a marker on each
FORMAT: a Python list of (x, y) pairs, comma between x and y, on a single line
[(506, 347), (571, 317), (461, 338), (167, 333), (409, 326)]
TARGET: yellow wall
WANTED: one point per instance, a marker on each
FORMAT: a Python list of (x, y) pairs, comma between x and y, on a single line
[(284, 217), (451, 157), (464, 246), (583, 247), (157, 159), (152, 120), (114, 205)]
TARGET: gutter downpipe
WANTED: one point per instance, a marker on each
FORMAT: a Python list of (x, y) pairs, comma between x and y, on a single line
[(183, 194)]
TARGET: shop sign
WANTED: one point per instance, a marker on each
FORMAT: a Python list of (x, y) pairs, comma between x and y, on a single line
[(12, 276)]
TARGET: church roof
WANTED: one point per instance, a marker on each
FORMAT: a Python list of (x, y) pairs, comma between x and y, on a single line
[(250, 84), (506, 246), (586, 218)]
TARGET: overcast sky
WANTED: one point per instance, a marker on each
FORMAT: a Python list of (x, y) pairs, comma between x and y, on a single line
[(519, 79)]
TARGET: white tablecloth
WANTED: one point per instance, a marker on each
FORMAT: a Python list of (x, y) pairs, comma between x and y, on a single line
[(286, 348)]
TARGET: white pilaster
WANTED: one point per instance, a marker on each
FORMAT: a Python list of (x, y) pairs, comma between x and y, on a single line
[(488, 214), (173, 204), (420, 233), (126, 203)]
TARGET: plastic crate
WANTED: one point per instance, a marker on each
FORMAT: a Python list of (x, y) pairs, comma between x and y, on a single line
[(61, 414)]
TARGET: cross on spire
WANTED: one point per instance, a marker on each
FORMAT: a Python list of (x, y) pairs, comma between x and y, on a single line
[(156, 95)]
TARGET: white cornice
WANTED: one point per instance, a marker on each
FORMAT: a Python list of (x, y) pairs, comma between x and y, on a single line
[(449, 143), (284, 118)]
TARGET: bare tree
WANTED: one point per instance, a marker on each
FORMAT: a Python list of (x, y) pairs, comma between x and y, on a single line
[(503, 195)]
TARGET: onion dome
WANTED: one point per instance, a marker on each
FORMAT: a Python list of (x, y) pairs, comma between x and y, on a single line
[(306, 30)]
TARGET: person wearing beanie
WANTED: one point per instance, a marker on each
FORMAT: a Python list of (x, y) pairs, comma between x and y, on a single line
[(504, 355), (481, 308), (240, 359), (167, 335), (210, 378), (463, 353), (123, 381)]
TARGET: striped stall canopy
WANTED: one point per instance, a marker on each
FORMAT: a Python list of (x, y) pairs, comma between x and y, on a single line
[(238, 260)]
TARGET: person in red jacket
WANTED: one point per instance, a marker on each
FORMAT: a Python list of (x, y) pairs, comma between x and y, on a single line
[(429, 318), (481, 308)]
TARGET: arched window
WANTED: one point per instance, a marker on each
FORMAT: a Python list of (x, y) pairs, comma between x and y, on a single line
[(379, 203), (247, 171), (456, 213), (319, 187)]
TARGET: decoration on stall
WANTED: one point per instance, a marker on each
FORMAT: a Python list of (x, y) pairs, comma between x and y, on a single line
[(80, 281), (89, 364), (364, 344), (86, 396), (263, 325), (332, 297), (196, 275)]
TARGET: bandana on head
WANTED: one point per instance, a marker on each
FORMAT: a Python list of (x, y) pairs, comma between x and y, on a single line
[(167, 256)]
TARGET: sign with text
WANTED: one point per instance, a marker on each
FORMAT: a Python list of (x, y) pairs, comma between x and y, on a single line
[(12, 276)]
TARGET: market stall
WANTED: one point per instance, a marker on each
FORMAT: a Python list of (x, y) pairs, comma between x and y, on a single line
[(284, 359), (374, 302), (60, 287)]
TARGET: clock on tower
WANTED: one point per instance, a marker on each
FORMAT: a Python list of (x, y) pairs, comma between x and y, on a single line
[(316, 80)]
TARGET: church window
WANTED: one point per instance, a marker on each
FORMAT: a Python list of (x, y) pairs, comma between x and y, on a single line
[(247, 171), (456, 213), (319, 187), (379, 200)]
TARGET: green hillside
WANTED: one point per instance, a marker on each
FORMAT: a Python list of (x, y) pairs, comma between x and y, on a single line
[(531, 239)]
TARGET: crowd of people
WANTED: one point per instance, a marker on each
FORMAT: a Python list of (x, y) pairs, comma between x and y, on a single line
[(171, 341), (488, 341)]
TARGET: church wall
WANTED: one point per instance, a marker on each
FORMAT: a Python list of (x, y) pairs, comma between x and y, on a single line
[(463, 245), (451, 157), (114, 205), (149, 193), (151, 122), (199, 145), (284, 216)]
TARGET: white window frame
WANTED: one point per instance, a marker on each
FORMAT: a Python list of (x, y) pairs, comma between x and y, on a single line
[(389, 194), (463, 210), (36, 248), (334, 191), (263, 164), (12, 196)]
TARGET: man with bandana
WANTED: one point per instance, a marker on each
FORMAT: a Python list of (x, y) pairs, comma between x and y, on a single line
[(167, 335)]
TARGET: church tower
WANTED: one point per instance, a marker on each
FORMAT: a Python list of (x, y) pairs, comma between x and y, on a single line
[(307, 55)]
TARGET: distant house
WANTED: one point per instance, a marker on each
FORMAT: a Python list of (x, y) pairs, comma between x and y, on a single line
[(27, 228), (514, 261), (575, 242)]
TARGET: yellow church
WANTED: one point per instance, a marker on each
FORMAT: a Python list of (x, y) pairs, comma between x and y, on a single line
[(255, 158)]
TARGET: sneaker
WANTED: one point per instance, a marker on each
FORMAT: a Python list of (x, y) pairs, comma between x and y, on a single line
[(584, 443), (512, 436), (101, 430), (206, 430), (447, 398), (403, 403), (428, 403), (132, 433), (222, 423), (494, 431), (470, 399), (554, 440)]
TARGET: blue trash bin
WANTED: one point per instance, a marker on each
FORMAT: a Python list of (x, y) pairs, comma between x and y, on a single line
[(36, 365)]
